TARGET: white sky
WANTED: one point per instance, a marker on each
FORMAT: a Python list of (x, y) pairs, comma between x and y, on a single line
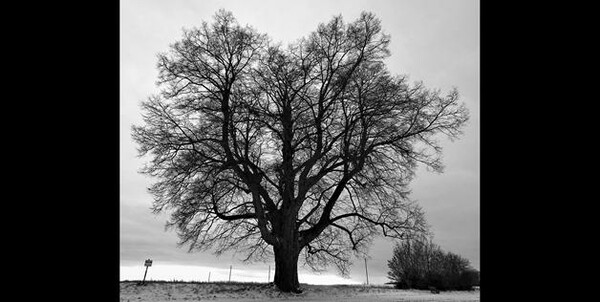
[(436, 41)]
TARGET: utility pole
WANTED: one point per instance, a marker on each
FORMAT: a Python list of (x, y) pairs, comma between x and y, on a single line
[(366, 271), (230, 273), (208, 276)]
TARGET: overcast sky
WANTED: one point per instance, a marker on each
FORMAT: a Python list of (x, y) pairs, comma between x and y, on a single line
[(434, 41)]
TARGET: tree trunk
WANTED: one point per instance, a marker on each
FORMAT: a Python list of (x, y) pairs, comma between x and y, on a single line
[(286, 269)]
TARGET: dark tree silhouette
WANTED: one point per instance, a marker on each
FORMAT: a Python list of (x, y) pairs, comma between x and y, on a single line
[(307, 149), (419, 263)]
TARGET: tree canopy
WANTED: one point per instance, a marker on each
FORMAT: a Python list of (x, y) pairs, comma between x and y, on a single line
[(308, 148)]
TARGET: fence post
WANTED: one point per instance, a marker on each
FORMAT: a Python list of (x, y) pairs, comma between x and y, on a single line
[(366, 271)]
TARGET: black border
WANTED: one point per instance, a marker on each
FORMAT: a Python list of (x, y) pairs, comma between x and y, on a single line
[(517, 190), (66, 142)]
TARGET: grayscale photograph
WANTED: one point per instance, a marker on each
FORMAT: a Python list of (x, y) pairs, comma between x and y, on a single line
[(309, 150)]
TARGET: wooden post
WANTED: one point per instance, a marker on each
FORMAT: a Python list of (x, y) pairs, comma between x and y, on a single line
[(208, 276), (366, 271), (230, 273), (144, 280), (269, 277), (147, 263)]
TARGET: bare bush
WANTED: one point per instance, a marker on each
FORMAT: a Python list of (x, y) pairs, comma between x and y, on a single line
[(421, 264)]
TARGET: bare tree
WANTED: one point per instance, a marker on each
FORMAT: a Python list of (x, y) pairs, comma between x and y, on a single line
[(308, 149), (419, 263)]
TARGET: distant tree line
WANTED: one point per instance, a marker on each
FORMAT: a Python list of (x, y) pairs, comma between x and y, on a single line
[(421, 264)]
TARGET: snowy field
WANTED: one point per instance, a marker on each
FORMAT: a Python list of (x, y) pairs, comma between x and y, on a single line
[(157, 291)]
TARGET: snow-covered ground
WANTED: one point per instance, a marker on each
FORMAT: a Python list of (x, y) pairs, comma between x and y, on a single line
[(229, 292)]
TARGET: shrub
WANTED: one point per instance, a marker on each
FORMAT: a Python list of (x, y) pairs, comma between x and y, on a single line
[(421, 264)]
